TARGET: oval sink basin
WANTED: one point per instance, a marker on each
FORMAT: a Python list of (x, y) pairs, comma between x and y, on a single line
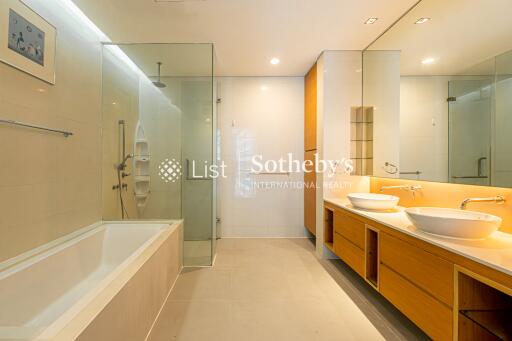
[(372, 201), (453, 223)]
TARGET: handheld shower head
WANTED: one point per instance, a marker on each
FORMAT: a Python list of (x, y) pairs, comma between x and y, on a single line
[(122, 165)]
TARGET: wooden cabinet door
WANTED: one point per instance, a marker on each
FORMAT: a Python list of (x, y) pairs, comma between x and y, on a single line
[(310, 195), (432, 316), (349, 253), (310, 103), (427, 271), (351, 229)]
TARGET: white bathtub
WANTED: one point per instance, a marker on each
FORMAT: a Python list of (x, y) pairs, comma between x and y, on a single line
[(59, 293)]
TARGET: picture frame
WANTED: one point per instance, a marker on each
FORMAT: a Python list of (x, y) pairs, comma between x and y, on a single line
[(27, 40)]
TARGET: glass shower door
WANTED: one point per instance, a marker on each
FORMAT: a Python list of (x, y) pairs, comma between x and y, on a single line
[(469, 111), (158, 135)]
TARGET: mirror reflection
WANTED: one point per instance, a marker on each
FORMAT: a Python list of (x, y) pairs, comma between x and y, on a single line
[(439, 83)]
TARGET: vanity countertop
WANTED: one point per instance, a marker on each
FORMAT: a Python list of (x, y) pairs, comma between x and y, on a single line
[(494, 252)]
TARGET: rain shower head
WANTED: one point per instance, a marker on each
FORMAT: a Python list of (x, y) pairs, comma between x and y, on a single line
[(158, 83)]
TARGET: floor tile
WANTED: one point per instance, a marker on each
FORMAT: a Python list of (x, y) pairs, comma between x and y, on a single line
[(276, 289)]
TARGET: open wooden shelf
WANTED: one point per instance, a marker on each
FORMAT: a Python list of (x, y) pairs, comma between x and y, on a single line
[(497, 323), (484, 310), (372, 256), (329, 229)]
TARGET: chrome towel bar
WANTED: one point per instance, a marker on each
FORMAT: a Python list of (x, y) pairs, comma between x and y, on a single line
[(16, 123)]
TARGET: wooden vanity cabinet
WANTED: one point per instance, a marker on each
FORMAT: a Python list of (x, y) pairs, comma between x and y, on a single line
[(428, 313), (447, 295), (417, 282)]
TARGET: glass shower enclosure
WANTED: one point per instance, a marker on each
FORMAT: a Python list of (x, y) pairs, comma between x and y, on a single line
[(480, 120), (469, 117), (159, 133)]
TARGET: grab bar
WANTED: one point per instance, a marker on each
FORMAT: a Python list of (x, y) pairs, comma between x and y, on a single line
[(12, 122), (411, 173)]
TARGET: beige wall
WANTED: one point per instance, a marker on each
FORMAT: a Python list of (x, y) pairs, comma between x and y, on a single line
[(128, 96), (50, 185), (120, 102)]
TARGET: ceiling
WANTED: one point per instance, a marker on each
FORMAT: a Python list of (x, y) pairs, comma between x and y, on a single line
[(461, 36), (248, 33), (183, 60)]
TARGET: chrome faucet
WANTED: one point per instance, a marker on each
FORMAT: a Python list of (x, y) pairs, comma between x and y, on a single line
[(411, 188), (497, 199)]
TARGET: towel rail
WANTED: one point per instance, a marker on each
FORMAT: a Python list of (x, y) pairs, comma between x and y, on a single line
[(21, 124)]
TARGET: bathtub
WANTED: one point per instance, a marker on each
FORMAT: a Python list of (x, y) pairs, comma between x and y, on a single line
[(107, 283)]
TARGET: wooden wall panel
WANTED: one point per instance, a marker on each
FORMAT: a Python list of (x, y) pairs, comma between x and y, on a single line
[(310, 109), (310, 195)]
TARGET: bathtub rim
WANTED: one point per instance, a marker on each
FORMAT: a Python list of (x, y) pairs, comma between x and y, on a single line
[(73, 321), (33, 254)]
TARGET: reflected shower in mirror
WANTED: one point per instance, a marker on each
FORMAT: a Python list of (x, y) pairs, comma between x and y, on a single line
[(441, 91)]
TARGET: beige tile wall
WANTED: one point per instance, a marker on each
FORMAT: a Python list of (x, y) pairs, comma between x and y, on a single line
[(51, 185), (120, 101)]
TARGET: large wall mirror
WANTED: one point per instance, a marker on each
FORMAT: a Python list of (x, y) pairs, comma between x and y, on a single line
[(438, 85)]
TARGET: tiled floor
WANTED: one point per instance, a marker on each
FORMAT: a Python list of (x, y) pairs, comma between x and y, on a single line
[(276, 289)]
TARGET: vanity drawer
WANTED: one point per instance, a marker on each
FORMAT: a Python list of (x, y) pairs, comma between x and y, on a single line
[(350, 228), (427, 271), (349, 253), (433, 317)]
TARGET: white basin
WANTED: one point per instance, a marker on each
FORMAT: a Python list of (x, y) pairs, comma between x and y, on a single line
[(373, 201), (453, 223)]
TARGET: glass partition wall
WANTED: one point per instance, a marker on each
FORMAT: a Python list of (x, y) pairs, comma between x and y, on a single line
[(158, 135)]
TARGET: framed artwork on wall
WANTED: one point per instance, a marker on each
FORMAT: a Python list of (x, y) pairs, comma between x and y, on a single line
[(27, 41)]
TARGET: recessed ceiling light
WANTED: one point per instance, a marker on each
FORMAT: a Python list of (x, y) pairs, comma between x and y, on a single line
[(275, 61), (264, 88), (371, 21), (422, 20), (429, 60)]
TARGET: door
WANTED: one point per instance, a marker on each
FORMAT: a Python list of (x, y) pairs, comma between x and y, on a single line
[(469, 141)]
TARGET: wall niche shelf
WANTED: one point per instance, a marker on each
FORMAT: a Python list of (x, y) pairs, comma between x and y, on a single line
[(361, 140)]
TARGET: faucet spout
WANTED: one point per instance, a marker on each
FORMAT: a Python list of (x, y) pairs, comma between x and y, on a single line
[(411, 188), (497, 199)]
